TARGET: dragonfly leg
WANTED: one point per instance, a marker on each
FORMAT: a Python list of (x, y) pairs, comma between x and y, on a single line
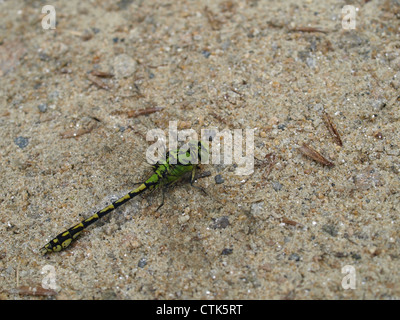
[(163, 198), (193, 179)]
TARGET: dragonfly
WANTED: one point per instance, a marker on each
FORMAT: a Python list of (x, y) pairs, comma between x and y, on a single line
[(166, 172)]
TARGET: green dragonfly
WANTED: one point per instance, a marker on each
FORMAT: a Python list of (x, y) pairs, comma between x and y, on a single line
[(176, 165)]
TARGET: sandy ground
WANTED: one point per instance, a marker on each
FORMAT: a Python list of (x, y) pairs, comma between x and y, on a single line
[(70, 143)]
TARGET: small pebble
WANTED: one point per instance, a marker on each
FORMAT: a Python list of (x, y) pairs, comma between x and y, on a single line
[(206, 53), (87, 35), (142, 262), (281, 126), (183, 219), (21, 142), (310, 61), (44, 56), (277, 186), (10, 270), (330, 229), (294, 256), (257, 209), (356, 256), (220, 223), (124, 66), (378, 135), (42, 107), (219, 179), (263, 134), (226, 251)]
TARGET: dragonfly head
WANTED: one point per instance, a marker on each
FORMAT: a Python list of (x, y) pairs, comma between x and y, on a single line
[(197, 151)]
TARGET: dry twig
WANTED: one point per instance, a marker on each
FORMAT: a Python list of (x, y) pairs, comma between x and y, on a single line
[(315, 155)]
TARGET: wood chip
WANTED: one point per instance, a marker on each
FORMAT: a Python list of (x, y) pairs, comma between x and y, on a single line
[(332, 128), (98, 82), (289, 222), (101, 74), (308, 29), (271, 160), (140, 112), (315, 155), (32, 291)]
